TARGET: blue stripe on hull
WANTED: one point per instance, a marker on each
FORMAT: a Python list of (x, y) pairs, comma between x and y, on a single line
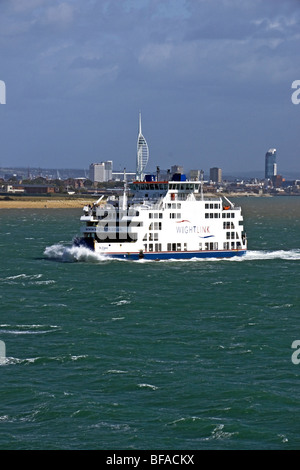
[(178, 255)]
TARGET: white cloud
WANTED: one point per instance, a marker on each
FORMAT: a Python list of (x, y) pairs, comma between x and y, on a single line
[(60, 14)]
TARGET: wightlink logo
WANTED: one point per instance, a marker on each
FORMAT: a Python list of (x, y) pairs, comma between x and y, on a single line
[(2, 92)]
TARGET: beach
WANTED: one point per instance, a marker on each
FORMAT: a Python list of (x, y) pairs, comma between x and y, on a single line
[(38, 203), (75, 202)]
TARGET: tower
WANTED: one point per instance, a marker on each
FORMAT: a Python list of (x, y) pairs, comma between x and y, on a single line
[(142, 155), (270, 164)]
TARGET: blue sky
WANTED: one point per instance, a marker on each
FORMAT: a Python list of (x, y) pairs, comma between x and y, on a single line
[(212, 79)]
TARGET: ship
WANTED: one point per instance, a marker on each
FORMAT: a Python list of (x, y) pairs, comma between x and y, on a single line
[(159, 220)]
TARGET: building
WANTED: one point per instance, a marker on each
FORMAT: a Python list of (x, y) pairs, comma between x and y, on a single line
[(30, 188), (142, 153), (101, 172), (176, 169), (215, 175), (195, 175), (270, 164)]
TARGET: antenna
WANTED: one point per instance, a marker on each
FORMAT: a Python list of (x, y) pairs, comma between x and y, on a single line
[(201, 183)]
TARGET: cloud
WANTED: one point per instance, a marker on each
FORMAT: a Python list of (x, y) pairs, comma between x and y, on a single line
[(181, 61), (61, 14)]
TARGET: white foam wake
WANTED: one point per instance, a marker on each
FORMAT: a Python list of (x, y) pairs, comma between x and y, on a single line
[(74, 253), (293, 255), (69, 254)]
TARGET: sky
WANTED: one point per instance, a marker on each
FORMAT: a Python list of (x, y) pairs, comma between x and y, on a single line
[(211, 78)]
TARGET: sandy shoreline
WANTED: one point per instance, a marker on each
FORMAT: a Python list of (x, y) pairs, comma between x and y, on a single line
[(46, 204), (79, 203)]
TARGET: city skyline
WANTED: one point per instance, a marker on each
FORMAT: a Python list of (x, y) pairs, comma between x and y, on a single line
[(213, 80)]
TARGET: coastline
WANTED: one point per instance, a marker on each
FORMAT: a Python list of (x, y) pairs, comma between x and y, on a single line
[(45, 204), (78, 203)]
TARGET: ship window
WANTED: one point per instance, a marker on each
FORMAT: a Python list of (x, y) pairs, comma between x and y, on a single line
[(150, 215), (150, 246), (169, 247), (151, 237), (185, 246), (232, 215), (169, 206), (227, 235), (145, 238), (211, 215), (226, 245), (173, 246), (232, 245), (145, 247), (206, 246), (206, 206), (216, 215), (228, 215), (178, 215), (178, 247), (160, 215), (215, 245), (179, 206), (200, 246), (232, 235), (216, 206), (211, 206), (211, 246), (206, 215), (155, 236), (157, 246), (155, 215)]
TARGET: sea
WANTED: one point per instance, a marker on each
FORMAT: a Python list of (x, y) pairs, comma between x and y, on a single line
[(101, 354)]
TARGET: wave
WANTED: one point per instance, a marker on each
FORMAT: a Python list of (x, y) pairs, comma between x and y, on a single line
[(293, 255), (73, 253), (69, 254)]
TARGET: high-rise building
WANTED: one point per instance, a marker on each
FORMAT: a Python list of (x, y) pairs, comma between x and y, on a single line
[(215, 175), (270, 164), (101, 172), (176, 169), (142, 155), (195, 175)]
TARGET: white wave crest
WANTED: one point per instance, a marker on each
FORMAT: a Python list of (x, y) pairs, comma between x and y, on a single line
[(73, 253), (293, 255)]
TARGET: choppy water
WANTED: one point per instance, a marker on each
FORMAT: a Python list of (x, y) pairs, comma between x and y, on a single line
[(108, 354)]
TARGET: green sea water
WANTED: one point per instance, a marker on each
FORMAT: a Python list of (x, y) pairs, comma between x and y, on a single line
[(108, 354)]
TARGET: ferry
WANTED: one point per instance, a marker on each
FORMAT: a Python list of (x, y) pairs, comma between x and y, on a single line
[(158, 220)]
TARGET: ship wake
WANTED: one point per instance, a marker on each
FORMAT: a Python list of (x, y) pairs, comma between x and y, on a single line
[(71, 254)]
